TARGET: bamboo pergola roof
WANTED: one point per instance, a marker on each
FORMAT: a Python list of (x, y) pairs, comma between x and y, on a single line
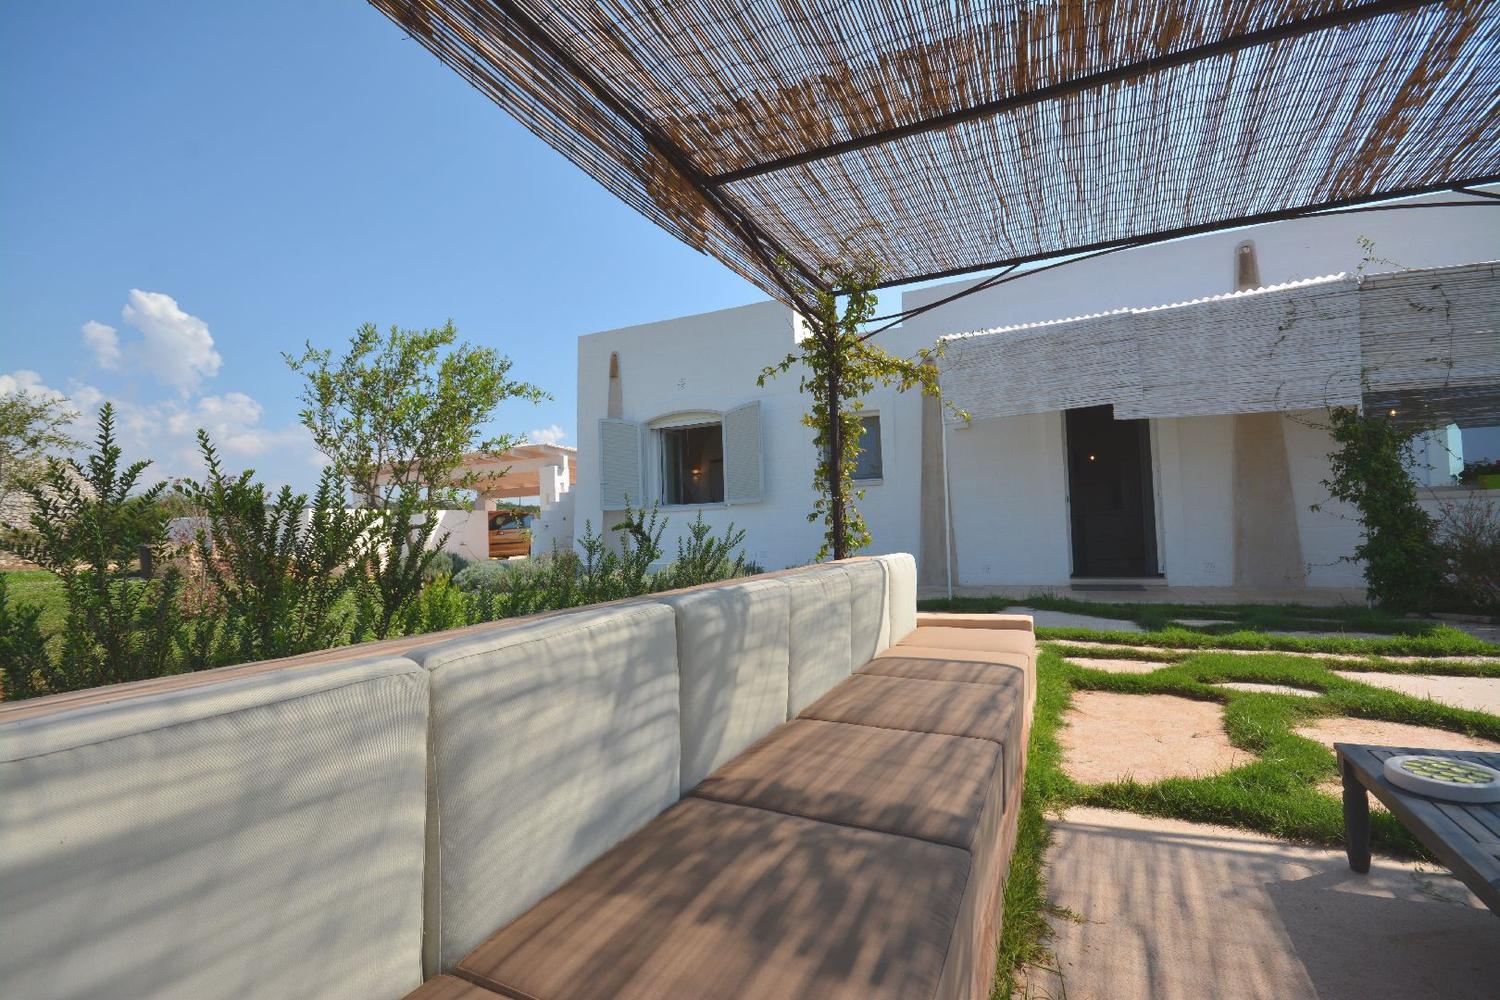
[(945, 136)]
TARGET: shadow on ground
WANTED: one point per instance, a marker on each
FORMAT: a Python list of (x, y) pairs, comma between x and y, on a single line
[(1170, 909)]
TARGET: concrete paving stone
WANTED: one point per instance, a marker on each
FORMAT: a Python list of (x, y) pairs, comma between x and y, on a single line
[(1114, 737), (1340, 729), (1118, 666), (1066, 619), (1482, 694), (1182, 911), (1064, 645), (1258, 687)]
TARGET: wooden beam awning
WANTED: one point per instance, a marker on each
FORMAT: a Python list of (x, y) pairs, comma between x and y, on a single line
[(944, 137)]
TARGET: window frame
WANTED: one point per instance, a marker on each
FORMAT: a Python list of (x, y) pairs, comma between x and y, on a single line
[(684, 421), (879, 477)]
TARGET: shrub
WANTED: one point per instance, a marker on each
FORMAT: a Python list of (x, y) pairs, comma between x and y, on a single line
[(1469, 542), (445, 564), (89, 525), (703, 558), (278, 572), (24, 664), (1368, 469)]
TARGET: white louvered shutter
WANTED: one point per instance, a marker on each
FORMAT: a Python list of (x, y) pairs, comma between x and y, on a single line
[(743, 462), (620, 464)]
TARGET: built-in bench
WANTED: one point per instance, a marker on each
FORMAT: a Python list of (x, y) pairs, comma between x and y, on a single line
[(790, 785)]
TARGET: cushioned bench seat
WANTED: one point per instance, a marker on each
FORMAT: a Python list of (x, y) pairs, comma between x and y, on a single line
[(950, 708), (1000, 640), (971, 666), (720, 900), (913, 784), (450, 988)]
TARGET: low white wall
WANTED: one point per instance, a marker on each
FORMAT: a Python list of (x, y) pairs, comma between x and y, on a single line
[(468, 533), (553, 527)]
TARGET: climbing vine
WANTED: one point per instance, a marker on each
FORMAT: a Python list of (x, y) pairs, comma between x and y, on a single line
[(840, 364), (1368, 469)]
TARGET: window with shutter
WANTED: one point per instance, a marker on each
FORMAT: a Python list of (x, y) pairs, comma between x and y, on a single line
[(692, 465), (743, 461), (620, 464)]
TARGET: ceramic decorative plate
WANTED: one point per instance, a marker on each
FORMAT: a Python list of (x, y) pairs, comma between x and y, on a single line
[(1444, 778)]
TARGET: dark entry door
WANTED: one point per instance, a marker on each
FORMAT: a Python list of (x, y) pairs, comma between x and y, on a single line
[(1110, 494)]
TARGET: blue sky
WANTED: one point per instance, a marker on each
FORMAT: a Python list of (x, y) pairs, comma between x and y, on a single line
[(218, 183), (189, 189)]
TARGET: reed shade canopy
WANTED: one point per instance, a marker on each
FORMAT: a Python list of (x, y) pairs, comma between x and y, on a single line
[(947, 137)]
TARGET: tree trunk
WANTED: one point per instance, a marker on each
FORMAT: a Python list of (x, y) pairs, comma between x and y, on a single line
[(836, 498)]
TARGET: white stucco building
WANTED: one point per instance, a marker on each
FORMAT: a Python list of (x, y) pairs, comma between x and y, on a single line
[(1212, 485)]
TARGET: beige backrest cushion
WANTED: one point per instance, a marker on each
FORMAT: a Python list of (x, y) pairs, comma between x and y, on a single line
[(870, 623), (257, 837), (901, 594), (732, 658), (551, 741), (821, 641)]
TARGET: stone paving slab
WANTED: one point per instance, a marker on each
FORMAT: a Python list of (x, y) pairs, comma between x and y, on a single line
[(1479, 693), (1114, 737), (1258, 687), (1343, 729), (1171, 910), (1065, 644), (1119, 666), (1066, 619)]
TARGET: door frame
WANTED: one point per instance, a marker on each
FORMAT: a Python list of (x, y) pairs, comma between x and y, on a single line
[(1154, 545)]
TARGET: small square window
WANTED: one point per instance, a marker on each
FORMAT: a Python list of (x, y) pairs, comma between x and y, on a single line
[(692, 465), (869, 465)]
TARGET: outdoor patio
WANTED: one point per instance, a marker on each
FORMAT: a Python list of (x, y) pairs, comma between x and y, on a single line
[(1195, 828), (605, 773)]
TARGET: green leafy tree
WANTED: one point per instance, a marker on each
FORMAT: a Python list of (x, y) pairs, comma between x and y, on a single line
[(89, 525), (278, 569), (400, 410), (31, 428), (839, 363), (395, 415)]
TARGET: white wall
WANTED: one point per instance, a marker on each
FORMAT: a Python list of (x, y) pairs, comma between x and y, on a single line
[(1008, 476), (710, 362), (1009, 501), (468, 533), (1204, 265)]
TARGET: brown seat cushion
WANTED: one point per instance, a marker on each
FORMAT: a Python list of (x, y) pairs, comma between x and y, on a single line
[(953, 708), (719, 900), (912, 784), (972, 666), (997, 640), (449, 988)]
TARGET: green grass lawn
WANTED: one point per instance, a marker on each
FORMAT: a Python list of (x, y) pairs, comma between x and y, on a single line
[(1242, 627), (39, 587), (1274, 793), (1232, 617)]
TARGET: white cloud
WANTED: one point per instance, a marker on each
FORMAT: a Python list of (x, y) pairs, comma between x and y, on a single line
[(29, 382), (175, 347), (548, 435), (105, 341), (165, 431)]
